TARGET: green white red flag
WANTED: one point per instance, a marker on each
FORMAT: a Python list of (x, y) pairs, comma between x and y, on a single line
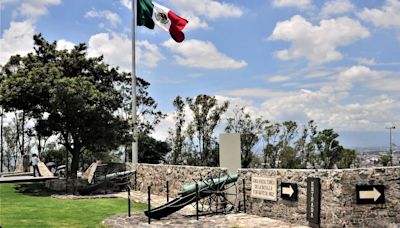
[(151, 13)]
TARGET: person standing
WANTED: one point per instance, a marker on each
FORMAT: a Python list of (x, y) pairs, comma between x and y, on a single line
[(35, 162)]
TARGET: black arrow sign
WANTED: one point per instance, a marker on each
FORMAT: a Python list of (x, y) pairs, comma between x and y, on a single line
[(289, 191), (370, 194)]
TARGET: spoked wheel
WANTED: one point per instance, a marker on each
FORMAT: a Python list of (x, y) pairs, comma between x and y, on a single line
[(221, 198)]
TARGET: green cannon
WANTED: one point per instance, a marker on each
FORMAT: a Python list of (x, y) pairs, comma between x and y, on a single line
[(189, 188), (215, 195)]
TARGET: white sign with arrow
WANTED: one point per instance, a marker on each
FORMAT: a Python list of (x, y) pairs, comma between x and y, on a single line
[(370, 194), (374, 194), (289, 191)]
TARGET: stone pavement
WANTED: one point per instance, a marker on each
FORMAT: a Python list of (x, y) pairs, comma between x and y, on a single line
[(182, 218), (178, 220)]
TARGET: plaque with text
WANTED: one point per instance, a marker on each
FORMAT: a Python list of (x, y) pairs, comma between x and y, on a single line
[(289, 191), (313, 201), (264, 188), (370, 194)]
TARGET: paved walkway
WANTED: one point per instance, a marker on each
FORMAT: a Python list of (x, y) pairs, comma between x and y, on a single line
[(138, 219), (185, 218), (182, 219), (15, 179)]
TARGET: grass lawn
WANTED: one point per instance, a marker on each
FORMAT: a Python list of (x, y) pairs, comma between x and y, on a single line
[(29, 205)]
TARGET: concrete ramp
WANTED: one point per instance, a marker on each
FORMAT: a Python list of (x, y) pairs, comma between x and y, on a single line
[(43, 170)]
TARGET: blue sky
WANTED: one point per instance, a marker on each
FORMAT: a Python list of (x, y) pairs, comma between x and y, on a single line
[(336, 61)]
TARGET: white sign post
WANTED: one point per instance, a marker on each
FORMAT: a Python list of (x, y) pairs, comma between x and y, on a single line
[(264, 188)]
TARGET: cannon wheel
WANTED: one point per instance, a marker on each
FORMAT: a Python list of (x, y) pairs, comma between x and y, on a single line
[(222, 200)]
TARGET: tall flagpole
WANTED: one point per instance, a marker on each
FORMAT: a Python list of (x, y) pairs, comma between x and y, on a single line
[(134, 117)]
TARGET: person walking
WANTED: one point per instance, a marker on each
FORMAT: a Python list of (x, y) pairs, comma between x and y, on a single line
[(35, 162)]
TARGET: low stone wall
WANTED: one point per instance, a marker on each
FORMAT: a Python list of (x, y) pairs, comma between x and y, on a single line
[(338, 196), (157, 176)]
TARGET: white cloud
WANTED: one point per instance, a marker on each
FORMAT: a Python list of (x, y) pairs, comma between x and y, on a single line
[(390, 84), (328, 109), (317, 43), (332, 103), (112, 17), (194, 22), (292, 3), (317, 74), (161, 130), (126, 3), (32, 9), (208, 8), (387, 17), (358, 73), (278, 78), (117, 50), (18, 39), (64, 44), (366, 61), (336, 7), (202, 54), (252, 92), (346, 78)]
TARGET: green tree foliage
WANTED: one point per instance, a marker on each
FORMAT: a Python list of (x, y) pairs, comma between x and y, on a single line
[(54, 153), (194, 143), (348, 159), (177, 136), (151, 150), (385, 159), (311, 149), (279, 151), (328, 148), (10, 150), (148, 115), (147, 108), (206, 116), (250, 132), (271, 149), (289, 159), (77, 92)]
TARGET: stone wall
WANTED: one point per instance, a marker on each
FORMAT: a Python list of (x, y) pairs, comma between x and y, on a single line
[(338, 196), (157, 176)]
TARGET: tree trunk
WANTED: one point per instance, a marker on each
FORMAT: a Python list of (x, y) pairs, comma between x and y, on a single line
[(39, 146), (23, 134), (75, 162)]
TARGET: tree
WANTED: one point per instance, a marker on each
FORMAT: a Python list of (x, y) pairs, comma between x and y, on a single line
[(328, 148), (10, 149), (206, 116), (271, 149), (288, 158), (348, 159), (54, 153), (250, 131), (77, 92), (148, 115), (385, 159), (305, 145), (176, 136), (151, 150)]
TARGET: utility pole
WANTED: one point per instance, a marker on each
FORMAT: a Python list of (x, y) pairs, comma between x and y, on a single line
[(390, 143), (134, 100), (1, 140)]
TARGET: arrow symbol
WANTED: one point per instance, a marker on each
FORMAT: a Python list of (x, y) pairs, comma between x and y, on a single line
[(372, 194), (288, 190)]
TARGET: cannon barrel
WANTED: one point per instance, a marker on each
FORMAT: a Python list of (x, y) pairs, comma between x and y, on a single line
[(189, 188), (114, 175)]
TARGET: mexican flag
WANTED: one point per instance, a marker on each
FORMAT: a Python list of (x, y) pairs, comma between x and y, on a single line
[(150, 14)]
